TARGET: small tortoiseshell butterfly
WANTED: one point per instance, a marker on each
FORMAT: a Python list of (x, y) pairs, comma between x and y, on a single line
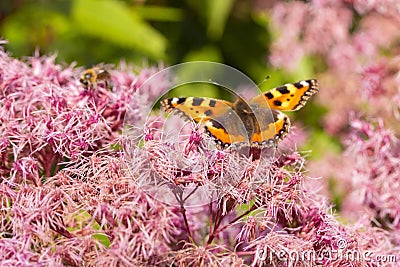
[(257, 123)]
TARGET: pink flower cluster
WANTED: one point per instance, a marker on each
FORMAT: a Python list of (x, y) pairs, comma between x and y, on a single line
[(353, 45), (71, 196), (376, 177), (47, 118)]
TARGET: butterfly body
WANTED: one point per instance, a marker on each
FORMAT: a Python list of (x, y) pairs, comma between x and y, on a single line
[(256, 123)]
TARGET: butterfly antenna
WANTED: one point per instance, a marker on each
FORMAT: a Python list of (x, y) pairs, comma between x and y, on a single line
[(263, 81)]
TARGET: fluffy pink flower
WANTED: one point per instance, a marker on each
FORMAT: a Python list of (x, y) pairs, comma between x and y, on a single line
[(375, 175), (69, 194)]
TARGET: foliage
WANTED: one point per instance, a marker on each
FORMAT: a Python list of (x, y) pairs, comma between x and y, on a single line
[(89, 32)]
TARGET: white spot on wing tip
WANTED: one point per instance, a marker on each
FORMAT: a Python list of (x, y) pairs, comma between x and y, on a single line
[(208, 124), (304, 83), (280, 116)]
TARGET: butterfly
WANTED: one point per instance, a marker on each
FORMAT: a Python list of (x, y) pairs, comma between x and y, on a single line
[(257, 123)]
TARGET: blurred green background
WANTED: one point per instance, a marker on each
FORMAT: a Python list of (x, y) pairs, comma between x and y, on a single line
[(234, 32)]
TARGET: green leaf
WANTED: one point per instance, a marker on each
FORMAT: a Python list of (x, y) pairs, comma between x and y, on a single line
[(217, 14), (160, 13), (24, 36), (205, 53), (113, 21), (103, 239)]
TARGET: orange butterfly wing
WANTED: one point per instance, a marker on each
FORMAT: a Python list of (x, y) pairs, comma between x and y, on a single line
[(289, 97), (217, 116)]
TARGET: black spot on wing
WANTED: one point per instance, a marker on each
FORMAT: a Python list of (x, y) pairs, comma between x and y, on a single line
[(197, 101), (180, 100), (269, 95), (212, 103), (208, 113), (217, 125), (283, 90), (298, 85), (277, 103)]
